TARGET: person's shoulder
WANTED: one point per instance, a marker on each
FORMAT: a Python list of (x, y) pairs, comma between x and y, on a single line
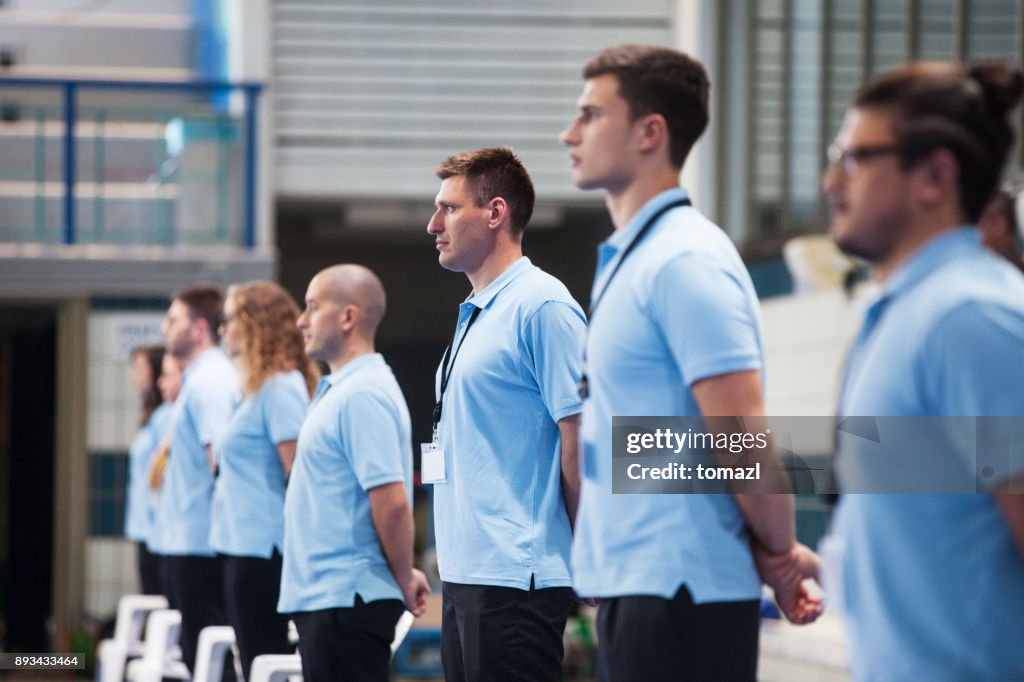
[(160, 415), (214, 365), (376, 381), (690, 230), (979, 285), (686, 233), (539, 287), (281, 385), (284, 381)]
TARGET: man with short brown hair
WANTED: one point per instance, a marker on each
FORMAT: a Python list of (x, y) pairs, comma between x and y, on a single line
[(193, 573), (503, 457), (674, 330)]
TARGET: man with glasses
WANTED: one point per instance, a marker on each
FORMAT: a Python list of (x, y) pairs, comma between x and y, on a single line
[(934, 583), (193, 573)]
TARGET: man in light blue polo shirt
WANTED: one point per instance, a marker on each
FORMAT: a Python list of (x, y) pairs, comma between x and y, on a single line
[(503, 460), (209, 394), (348, 536), (933, 583), (674, 330)]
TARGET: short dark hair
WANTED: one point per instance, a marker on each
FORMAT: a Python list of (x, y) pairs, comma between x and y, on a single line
[(658, 80), (495, 172), (940, 105), (205, 302)]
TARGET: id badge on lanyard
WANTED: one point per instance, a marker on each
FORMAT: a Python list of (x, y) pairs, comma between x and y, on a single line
[(432, 464)]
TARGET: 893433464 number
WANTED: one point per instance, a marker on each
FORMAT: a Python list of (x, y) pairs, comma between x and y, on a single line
[(42, 662)]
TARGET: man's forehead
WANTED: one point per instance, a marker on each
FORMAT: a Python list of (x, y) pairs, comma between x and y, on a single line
[(315, 289), (602, 89), (859, 122), (451, 187)]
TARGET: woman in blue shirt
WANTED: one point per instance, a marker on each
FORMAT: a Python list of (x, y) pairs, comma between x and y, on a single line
[(254, 456), (146, 363)]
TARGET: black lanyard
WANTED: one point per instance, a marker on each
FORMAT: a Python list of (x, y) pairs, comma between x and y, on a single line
[(584, 388), (446, 372)]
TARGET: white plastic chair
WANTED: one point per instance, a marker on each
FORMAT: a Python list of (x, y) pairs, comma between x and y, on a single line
[(160, 655), (401, 630), (113, 654), (275, 667), (214, 642)]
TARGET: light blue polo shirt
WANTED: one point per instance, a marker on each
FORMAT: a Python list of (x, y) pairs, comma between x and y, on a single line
[(140, 508), (501, 519), (681, 308), (356, 437), (209, 394), (933, 585), (248, 497)]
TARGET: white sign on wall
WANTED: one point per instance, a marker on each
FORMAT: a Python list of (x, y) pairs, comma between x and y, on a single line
[(134, 330)]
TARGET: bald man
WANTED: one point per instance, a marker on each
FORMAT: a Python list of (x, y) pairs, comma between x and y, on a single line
[(348, 537)]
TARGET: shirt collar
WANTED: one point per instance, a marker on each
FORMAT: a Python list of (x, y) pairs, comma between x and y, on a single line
[(620, 238), (922, 264), (484, 298), (931, 257), (353, 366), (204, 357)]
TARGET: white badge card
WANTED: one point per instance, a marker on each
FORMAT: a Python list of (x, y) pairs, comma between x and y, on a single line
[(432, 464)]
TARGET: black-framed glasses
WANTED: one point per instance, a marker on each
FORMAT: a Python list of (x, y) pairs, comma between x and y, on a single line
[(851, 158)]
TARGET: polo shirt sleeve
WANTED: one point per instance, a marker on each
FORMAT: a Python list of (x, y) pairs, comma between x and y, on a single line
[(371, 436), (553, 347), (706, 318), (211, 406), (284, 409), (971, 367)]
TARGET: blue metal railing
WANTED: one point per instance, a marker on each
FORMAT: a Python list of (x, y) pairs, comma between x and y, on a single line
[(70, 90)]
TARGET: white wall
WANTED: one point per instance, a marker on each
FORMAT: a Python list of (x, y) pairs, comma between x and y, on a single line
[(807, 337), (113, 412)]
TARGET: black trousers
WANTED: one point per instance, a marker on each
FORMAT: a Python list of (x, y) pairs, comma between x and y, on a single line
[(149, 570), (502, 633), (654, 639), (251, 588), (196, 586), (348, 644)]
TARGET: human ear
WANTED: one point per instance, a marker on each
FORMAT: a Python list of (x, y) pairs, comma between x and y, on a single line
[(653, 131)]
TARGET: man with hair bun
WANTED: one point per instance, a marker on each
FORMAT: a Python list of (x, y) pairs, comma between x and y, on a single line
[(933, 583), (503, 456)]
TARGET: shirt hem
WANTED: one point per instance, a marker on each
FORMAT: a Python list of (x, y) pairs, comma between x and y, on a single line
[(378, 481), (567, 412), (699, 596), (538, 583), (335, 602), (724, 365)]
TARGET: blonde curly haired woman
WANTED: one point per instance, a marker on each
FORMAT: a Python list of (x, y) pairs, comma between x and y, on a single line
[(254, 457)]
